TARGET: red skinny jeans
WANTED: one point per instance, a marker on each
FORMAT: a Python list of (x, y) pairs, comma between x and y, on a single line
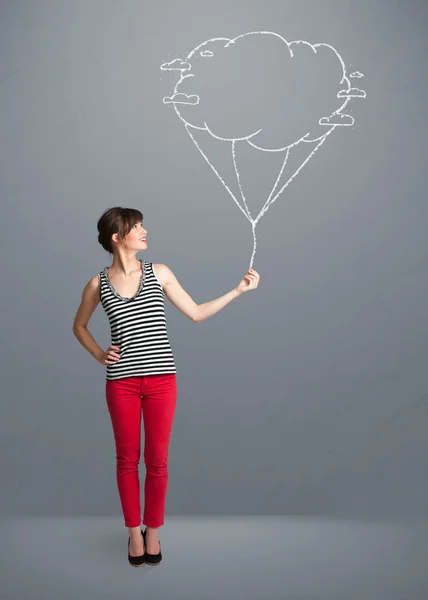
[(154, 396)]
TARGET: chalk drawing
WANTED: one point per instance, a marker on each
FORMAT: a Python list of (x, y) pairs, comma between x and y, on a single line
[(206, 71)]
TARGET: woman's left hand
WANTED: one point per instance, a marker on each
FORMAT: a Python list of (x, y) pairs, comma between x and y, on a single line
[(249, 282)]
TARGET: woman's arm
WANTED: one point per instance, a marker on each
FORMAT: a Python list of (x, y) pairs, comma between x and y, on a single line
[(199, 312), (88, 304)]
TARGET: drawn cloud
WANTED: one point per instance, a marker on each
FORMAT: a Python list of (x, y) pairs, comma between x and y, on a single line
[(351, 93), (176, 65), (270, 108), (337, 119), (181, 98), (356, 74)]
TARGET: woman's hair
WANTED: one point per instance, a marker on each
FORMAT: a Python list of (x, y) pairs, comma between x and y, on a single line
[(116, 220)]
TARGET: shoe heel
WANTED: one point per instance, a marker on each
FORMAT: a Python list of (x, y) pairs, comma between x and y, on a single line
[(137, 561), (152, 559)]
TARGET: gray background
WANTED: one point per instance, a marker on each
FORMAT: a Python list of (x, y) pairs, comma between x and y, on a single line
[(306, 396)]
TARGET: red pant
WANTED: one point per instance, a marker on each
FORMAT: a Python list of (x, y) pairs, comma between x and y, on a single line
[(156, 396)]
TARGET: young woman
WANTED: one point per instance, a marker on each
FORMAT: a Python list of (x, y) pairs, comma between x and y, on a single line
[(140, 367)]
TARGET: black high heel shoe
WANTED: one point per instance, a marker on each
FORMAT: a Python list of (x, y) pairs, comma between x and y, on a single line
[(137, 561), (152, 559)]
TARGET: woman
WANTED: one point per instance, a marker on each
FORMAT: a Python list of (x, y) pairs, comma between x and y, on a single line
[(140, 367)]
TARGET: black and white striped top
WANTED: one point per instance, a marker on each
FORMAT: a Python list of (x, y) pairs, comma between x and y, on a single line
[(138, 327)]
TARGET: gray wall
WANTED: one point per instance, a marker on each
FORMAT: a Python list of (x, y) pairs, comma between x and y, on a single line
[(308, 395)]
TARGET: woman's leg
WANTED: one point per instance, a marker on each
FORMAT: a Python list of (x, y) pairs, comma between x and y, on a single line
[(159, 400), (123, 398)]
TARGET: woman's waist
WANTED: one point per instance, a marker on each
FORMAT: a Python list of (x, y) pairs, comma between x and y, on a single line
[(160, 337), (141, 347)]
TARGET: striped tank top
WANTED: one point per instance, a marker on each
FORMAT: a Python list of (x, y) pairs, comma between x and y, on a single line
[(138, 327)]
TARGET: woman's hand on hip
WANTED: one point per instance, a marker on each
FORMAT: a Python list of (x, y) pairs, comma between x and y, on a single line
[(110, 356)]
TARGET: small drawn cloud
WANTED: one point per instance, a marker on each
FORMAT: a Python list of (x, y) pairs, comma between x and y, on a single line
[(337, 119), (181, 99), (176, 65), (206, 53), (356, 74), (351, 93)]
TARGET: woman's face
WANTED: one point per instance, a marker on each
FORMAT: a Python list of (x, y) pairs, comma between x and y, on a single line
[(136, 238), (137, 235)]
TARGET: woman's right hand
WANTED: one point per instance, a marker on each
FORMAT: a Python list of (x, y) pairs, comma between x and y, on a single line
[(110, 356)]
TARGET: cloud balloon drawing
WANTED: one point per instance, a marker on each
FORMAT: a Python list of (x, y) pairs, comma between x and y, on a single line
[(260, 93)]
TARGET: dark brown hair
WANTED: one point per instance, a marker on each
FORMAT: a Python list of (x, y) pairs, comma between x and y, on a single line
[(116, 220)]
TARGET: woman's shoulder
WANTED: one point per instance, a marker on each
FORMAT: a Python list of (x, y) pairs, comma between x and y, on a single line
[(161, 272), (91, 290)]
